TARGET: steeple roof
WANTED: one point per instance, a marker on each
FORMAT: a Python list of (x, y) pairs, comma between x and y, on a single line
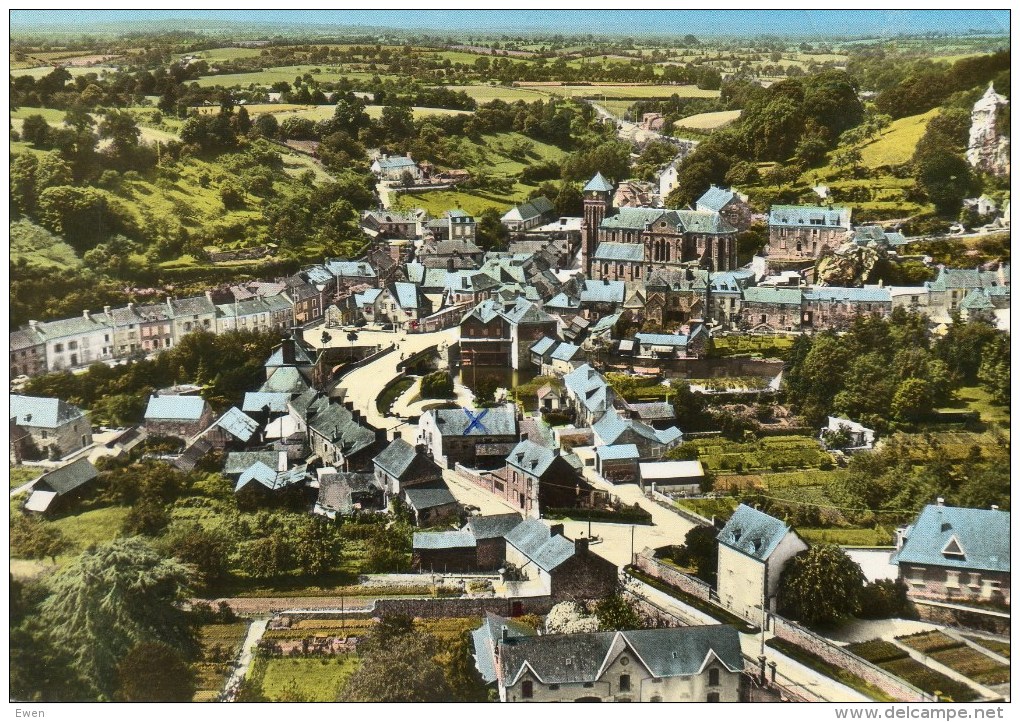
[(599, 183)]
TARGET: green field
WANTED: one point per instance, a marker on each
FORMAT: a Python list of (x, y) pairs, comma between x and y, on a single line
[(897, 142), (895, 661), (39, 72), (23, 474), (768, 454), (220, 644), (217, 54), (975, 398), (624, 91), (306, 679), (770, 346), (41, 249), (958, 656), (708, 121), (89, 527), (286, 73), (488, 93)]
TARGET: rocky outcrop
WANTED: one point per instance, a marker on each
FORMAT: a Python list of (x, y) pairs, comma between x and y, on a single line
[(988, 148), (849, 266)]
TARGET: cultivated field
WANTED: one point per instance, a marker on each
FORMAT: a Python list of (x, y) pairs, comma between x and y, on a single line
[(708, 121)]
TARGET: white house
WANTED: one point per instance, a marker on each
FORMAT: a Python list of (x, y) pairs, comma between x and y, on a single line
[(78, 341), (754, 548), (387, 167)]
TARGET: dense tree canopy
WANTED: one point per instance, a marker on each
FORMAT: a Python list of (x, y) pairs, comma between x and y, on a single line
[(820, 586)]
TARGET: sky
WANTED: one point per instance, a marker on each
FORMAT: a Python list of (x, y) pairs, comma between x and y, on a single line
[(817, 23)]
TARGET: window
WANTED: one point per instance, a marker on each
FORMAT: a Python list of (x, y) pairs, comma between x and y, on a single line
[(589, 685), (713, 677), (712, 697), (526, 689), (72, 345), (45, 435), (625, 683), (554, 687), (952, 579), (58, 347)]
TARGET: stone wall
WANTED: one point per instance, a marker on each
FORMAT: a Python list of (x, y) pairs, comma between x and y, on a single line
[(647, 563), (839, 657), (463, 607), (953, 616)]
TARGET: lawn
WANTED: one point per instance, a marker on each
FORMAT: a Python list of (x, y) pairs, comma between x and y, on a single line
[(753, 346), (877, 537), (708, 121), (825, 668), (975, 398), (610, 90), (897, 142), (308, 679), (770, 453), (89, 527), (385, 400), (895, 661), (40, 72), (220, 645), (958, 656), (23, 474), (438, 202), (287, 73), (217, 54), (721, 508), (487, 93)]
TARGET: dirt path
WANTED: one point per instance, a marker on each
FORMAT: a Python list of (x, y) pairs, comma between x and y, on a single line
[(255, 631)]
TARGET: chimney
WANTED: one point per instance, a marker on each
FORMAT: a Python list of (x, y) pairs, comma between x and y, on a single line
[(208, 295), (396, 434), (34, 325), (556, 529), (940, 501), (131, 306), (357, 416), (287, 349), (995, 507), (524, 436), (86, 315), (504, 633), (106, 310), (580, 546)]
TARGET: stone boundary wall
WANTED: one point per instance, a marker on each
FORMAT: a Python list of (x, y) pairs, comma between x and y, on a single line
[(464, 607), (651, 566), (954, 616), (843, 659), (666, 503)]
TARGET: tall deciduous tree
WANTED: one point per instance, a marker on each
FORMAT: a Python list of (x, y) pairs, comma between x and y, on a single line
[(821, 586), (994, 371), (404, 669)]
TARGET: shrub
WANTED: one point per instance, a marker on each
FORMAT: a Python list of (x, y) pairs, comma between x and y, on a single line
[(437, 385)]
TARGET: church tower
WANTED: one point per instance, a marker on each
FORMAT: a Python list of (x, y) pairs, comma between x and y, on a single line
[(598, 199)]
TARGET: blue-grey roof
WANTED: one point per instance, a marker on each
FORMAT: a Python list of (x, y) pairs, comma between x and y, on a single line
[(420, 498), (496, 421), (581, 657), (301, 357), (493, 526), (532, 209), (765, 294), (406, 294), (74, 326), (981, 539), (753, 532), (396, 458), (367, 297), (525, 311), (732, 281), (259, 472), (443, 540), (41, 412), (174, 408), (562, 300), (566, 352), (588, 385), (637, 219), (809, 216), (24, 338), (663, 339), (600, 184), (715, 198), (194, 306), (534, 540), (68, 477), (285, 380), (238, 461), (603, 291), (605, 323), (318, 275), (396, 161), (847, 295), (458, 213), (542, 345), (612, 426), (531, 458), (708, 222), (258, 400), (610, 251), (488, 635), (238, 423), (336, 423), (619, 451), (485, 311), (977, 300)]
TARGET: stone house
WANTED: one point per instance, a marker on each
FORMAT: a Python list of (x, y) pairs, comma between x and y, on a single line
[(472, 437), (51, 423), (391, 224), (140, 328), (860, 436), (261, 313), (27, 351), (479, 546), (617, 463), (401, 465), (537, 478), (556, 566), (676, 296), (551, 397), (400, 303), (662, 346), (392, 168), (344, 492), (953, 554), (432, 504), (613, 429), (527, 215), (798, 233), (192, 314), (352, 273), (485, 336), (754, 548), (305, 299), (836, 308), (729, 204), (588, 394), (456, 225), (179, 416), (681, 664), (76, 342), (726, 296), (528, 323), (336, 435), (767, 310)]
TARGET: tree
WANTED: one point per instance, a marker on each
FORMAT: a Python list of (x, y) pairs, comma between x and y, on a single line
[(34, 539), (406, 179), (317, 546), (155, 672), (492, 234), (148, 517), (913, 400), (437, 385), (206, 550), (821, 586), (994, 371), (403, 669), (267, 126), (569, 200), (36, 130), (232, 195), (267, 557), (615, 613), (701, 552), (112, 598), (121, 129), (23, 181)]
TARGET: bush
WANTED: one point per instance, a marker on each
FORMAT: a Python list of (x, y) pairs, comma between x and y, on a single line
[(886, 599), (437, 385)]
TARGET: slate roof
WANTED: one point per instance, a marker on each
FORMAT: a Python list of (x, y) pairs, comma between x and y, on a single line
[(605, 323), (24, 338), (563, 301), (612, 426), (301, 357), (802, 216), (238, 461), (238, 423), (589, 387), (257, 400), (394, 162), (977, 300), (566, 352), (407, 295), (350, 269), (396, 458), (531, 458), (41, 412), (617, 452), (715, 198), (367, 298), (707, 222), (336, 423), (599, 183), (285, 380), (485, 311), (543, 345), (443, 540), (534, 540), (270, 478), (139, 314), (74, 326), (68, 477), (663, 339), (669, 652), (678, 279), (970, 278), (847, 295), (485, 638), (982, 535), (753, 532), (610, 251), (527, 211), (195, 306), (653, 410), (423, 497), (525, 311), (602, 291), (494, 526), (637, 219), (175, 408), (782, 296), (495, 421), (318, 275)]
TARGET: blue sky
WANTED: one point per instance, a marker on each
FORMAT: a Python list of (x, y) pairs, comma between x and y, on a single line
[(638, 22)]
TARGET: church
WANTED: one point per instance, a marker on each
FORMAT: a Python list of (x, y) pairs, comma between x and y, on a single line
[(628, 244)]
